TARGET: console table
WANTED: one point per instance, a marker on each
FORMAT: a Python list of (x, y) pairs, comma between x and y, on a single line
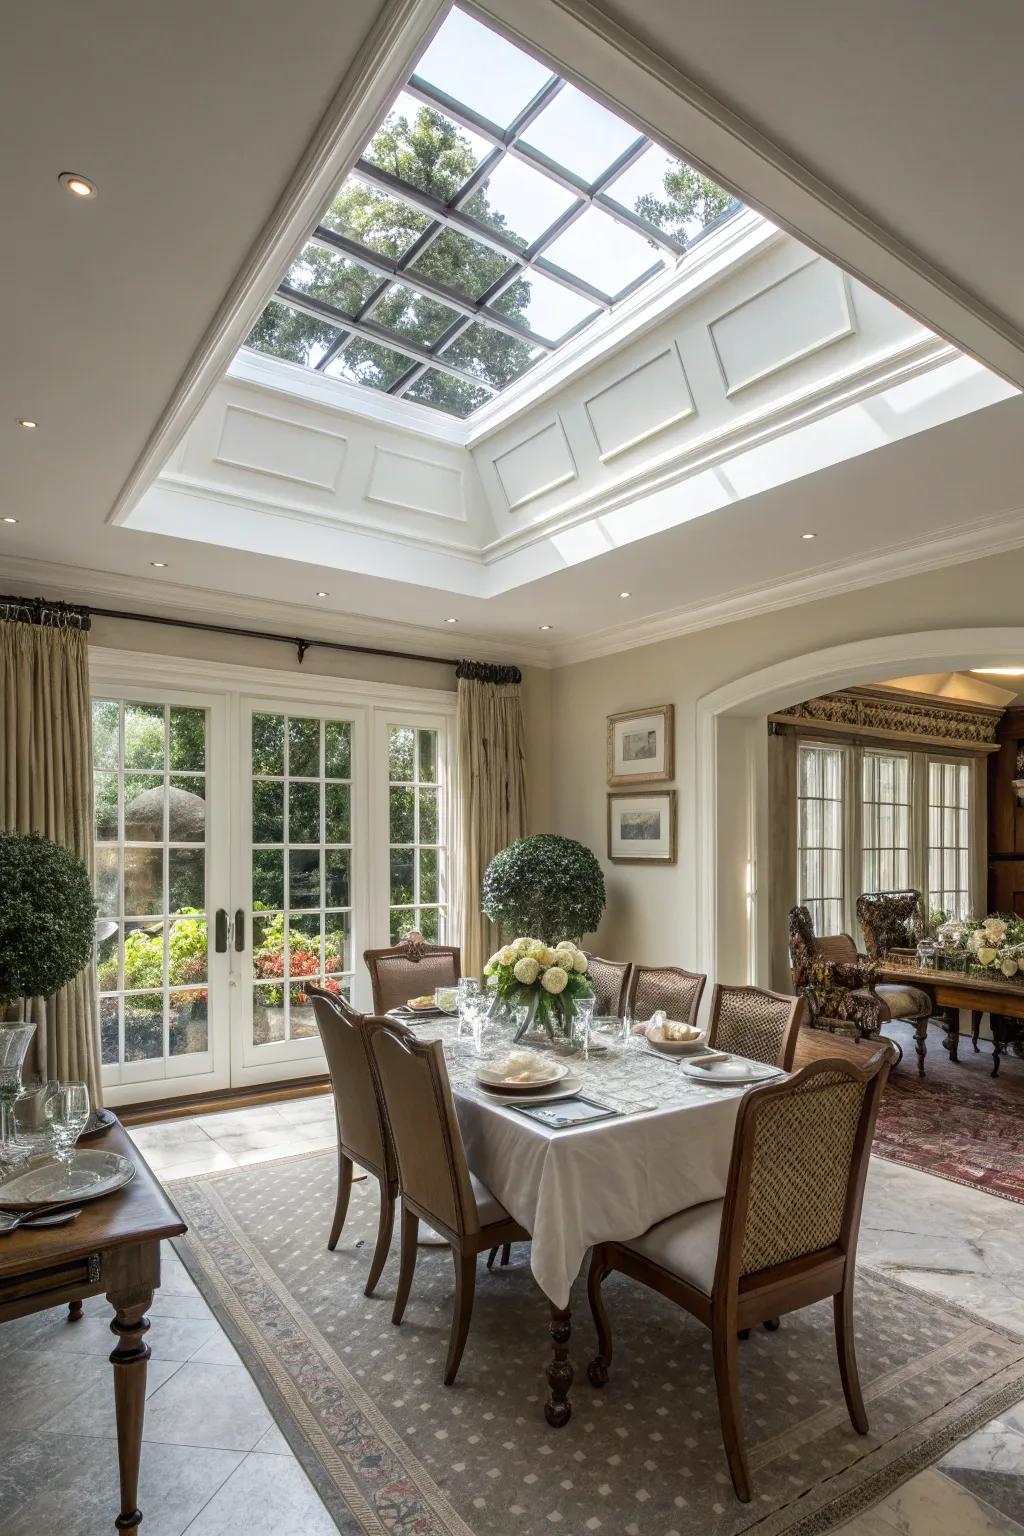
[(950, 991), (112, 1249)]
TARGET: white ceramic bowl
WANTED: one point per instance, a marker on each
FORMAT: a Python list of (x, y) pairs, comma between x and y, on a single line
[(657, 1042)]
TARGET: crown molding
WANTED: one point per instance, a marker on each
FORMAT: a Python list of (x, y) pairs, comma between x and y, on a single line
[(174, 600), (911, 557)]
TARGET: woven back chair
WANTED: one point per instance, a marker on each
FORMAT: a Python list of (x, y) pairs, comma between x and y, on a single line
[(754, 1022), (434, 1178), (890, 920), (669, 987), (609, 980), (783, 1237), (410, 969), (363, 1135)]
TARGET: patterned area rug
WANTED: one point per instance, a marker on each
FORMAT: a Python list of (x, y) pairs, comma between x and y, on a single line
[(959, 1122), (394, 1453)]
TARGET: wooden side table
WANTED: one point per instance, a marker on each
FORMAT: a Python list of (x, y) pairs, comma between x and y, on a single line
[(112, 1250)]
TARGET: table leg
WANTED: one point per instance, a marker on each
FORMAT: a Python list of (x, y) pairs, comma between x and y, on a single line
[(74, 1311), (129, 1360), (975, 1027), (921, 1043), (998, 1041), (558, 1409), (952, 1039)]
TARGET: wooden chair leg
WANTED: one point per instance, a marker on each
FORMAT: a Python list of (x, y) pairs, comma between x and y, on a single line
[(407, 1266), (723, 1351), (842, 1311), (341, 1204), (385, 1227), (465, 1288), (975, 1028), (506, 1254), (597, 1370), (772, 1324), (491, 1258)]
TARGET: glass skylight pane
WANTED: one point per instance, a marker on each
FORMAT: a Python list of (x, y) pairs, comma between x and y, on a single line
[(493, 355), (669, 194), (483, 71), (283, 332), (327, 275), (383, 224), (579, 134), (425, 148), (364, 362), (602, 251), (461, 263), (446, 393), (413, 315), (543, 305), (518, 202)]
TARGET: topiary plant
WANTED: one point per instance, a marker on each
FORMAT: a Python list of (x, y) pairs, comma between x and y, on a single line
[(47, 916), (546, 887)]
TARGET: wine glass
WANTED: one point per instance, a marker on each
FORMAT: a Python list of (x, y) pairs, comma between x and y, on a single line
[(15, 1040), (67, 1110)]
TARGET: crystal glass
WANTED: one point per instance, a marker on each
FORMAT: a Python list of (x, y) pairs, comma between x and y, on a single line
[(607, 1035), (67, 1111), (15, 1040), (446, 998), (582, 1023)]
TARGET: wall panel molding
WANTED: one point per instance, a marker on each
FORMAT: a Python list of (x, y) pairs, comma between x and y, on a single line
[(649, 398)]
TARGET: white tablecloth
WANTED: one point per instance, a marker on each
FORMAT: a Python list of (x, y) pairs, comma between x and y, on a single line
[(606, 1181)]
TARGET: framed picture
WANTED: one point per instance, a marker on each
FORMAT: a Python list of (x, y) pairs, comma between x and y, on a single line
[(642, 827), (640, 745)]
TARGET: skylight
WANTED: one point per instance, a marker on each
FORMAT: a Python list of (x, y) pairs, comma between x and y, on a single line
[(496, 212)]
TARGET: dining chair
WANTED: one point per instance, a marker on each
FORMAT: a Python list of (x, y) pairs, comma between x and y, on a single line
[(669, 987), (413, 968), (755, 1022), (363, 1134), (609, 981), (434, 1179), (783, 1237)]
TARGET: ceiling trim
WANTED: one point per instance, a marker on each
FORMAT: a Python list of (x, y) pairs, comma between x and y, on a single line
[(382, 64), (590, 48), (135, 592), (912, 557)]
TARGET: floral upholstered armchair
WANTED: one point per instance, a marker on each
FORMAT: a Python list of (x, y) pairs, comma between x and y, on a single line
[(890, 920), (837, 983)]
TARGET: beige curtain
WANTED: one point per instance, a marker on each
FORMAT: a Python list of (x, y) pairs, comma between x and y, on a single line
[(490, 793), (46, 786), (782, 839)]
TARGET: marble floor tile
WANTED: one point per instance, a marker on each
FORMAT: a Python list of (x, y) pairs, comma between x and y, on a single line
[(273, 1443), (170, 1338), (37, 1388), (932, 1504), (217, 1351), (225, 1122), (318, 1107), (266, 1495), (91, 1414), (213, 1405), (990, 1464), (216, 1160), (169, 1141)]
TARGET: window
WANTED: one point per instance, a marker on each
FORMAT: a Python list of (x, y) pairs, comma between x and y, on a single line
[(820, 834), (949, 837), (152, 952), (885, 827), (417, 852), (495, 212)]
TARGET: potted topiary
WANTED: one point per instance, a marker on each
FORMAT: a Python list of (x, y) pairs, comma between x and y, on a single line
[(47, 928), (547, 886)]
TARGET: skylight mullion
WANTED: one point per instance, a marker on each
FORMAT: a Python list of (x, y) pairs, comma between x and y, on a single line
[(637, 222), (407, 380), (430, 96), (437, 209), (381, 337), (335, 349)]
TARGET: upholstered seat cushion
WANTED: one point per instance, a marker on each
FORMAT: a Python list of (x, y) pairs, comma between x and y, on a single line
[(686, 1244), (488, 1209), (904, 1002)]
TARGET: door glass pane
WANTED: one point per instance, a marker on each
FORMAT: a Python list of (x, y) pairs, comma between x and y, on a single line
[(820, 833), (152, 949), (417, 855), (949, 842)]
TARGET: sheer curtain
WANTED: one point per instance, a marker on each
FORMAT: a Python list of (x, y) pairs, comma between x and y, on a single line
[(46, 786), (490, 794)]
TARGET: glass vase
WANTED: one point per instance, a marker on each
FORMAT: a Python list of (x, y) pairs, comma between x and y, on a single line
[(15, 1040)]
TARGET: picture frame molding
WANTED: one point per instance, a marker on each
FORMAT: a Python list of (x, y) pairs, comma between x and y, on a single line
[(644, 794), (662, 776)]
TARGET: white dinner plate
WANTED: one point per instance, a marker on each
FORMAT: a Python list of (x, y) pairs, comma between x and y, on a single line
[(93, 1174), (728, 1071), (569, 1085), (548, 1072), (657, 1042)]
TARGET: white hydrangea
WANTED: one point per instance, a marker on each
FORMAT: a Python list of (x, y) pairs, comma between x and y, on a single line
[(538, 949), (995, 929), (522, 946), (508, 954), (1008, 966), (526, 970), (554, 979), (580, 963), (566, 949)]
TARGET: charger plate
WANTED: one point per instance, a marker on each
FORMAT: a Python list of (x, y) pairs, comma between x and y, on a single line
[(93, 1174), (729, 1071), (565, 1088)]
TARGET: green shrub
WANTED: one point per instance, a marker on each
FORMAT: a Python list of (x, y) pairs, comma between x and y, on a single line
[(544, 887), (47, 916)]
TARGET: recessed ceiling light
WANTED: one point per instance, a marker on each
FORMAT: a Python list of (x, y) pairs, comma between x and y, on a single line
[(808, 535), (10, 519), (451, 621), (27, 423), (78, 186), (543, 626), (323, 594), (159, 565), (625, 594), (999, 671)]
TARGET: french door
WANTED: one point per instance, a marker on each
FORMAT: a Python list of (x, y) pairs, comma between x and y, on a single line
[(249, 845)]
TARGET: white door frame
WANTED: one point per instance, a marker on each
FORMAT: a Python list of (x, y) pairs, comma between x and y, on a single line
[(733, 923)]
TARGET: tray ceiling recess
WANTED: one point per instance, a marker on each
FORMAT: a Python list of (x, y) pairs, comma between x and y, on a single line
[(495, 214)]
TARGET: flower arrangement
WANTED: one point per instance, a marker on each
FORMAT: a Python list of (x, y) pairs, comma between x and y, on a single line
[(996, 943), (544, 978)]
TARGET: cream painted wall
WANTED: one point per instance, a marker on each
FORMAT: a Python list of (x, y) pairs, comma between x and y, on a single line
[(652, 912)]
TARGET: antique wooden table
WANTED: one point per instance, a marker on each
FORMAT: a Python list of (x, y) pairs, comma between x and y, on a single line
[(950, 991), (112, 1249)]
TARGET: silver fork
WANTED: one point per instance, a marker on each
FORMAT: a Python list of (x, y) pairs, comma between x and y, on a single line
[(11, 1223)]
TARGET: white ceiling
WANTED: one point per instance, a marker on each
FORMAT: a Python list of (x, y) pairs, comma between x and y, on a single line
[(192, 119)]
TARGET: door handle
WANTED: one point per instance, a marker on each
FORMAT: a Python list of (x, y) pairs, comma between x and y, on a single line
[(220, 932), (239, 930)]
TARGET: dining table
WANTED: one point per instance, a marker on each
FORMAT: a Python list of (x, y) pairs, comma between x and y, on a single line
[(666, 1147)]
